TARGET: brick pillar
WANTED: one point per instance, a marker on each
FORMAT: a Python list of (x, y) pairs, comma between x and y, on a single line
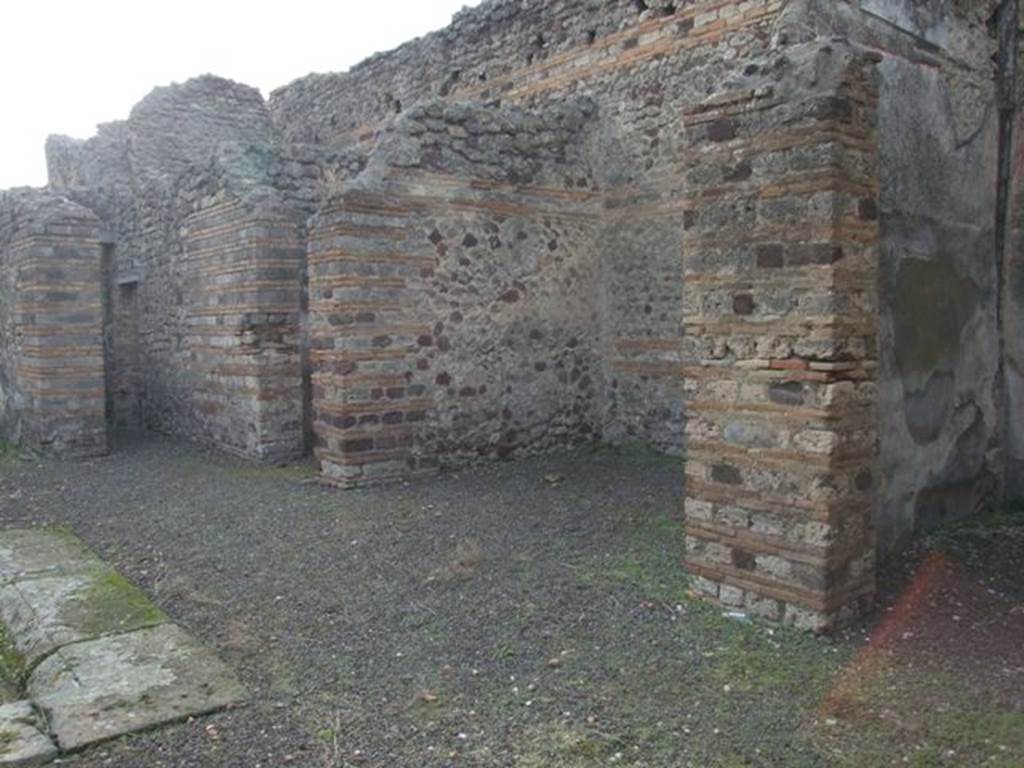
[(781, 320), (57, 330), (243, 271), (368, 275)]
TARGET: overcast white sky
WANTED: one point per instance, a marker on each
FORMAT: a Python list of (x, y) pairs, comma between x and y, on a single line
[(66, 65)]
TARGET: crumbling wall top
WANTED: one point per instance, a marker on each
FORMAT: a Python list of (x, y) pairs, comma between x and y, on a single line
[(479, 46), (26, 211), (502, 144)]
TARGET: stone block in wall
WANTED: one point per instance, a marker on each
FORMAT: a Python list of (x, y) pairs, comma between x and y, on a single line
[(781, 345), (51, 349)]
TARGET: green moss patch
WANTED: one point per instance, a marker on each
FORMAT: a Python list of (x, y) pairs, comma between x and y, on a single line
[(563, 745), (8, 453), (11, 667), (921, 717), (652, 561), (111, 603)]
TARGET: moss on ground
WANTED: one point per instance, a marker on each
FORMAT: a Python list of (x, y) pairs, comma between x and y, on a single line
[(11, 667), (564, 745), (525, 615), (112, 603), (923, 717), (8, 453), (638, 454), (756, 694), (650, 563)]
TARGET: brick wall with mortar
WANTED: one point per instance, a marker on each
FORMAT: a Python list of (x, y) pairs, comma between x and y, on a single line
[(242, 264), (781, 340), (936, 84), (51, 349), (940, 432), (640, 66), (660, 177), (206, 214)]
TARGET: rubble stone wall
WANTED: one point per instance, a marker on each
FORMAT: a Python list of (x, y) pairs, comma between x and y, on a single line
[(454, 295), (640, 63)]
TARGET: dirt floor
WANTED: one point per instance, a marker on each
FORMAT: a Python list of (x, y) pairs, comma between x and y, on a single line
[(530, 614)]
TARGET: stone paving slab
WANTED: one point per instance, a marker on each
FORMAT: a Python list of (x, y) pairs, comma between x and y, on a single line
[(22, 741), (44, 613), (97, 690), (32, 553)]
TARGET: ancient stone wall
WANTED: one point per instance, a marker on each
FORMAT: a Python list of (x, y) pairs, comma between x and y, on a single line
[(51, 350), (122, 346), (242, 266), (1013, 321), (781, 339), (454, 295), (1013, 296), (640, 66), (206, 217), (938, 280), (497, 51), (756, 233), (940, 431)]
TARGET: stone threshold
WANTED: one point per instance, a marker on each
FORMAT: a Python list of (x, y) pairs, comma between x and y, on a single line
[(95, 658)]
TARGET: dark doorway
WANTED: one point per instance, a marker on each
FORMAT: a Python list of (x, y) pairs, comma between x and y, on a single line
[(121, 345)]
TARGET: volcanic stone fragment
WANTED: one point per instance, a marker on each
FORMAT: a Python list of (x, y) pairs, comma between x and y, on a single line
[(22, 742), (98, 690)]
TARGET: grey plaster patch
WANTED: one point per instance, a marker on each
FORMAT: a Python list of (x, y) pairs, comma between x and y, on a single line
[(22, 741), (938, 343), (42, 552), (928, 408), (927, 19), (934, 306), (97, 690), (44, 614), (1013, 321)]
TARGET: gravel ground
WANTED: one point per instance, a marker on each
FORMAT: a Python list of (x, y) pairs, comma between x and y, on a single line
[(529, 614)]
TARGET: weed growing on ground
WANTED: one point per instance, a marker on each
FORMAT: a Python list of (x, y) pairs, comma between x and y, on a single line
[(7, 451), (11, 667)]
